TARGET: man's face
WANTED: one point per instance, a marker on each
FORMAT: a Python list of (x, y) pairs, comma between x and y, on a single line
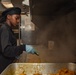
[(14, 19)]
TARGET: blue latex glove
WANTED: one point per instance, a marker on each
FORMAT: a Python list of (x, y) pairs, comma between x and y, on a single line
[(30, 49)]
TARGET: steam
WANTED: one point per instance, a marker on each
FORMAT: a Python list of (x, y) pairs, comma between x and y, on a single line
[(61, 30)]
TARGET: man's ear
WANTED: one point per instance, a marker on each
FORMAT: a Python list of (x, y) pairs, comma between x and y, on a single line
[(8, 17)]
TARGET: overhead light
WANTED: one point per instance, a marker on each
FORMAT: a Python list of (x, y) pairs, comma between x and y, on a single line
[(25, 2), (7, 3)]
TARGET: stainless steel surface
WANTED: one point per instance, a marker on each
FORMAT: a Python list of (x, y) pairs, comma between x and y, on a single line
[(32, 68), (27, 30)]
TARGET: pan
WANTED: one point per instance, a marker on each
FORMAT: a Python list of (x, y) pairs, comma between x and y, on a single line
[(37, 68)]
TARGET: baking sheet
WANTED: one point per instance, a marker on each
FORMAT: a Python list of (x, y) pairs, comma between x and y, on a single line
[(33, 68)]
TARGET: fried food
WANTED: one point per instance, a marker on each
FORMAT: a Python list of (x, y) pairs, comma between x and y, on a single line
[(65, 71), (22, 73), (37, 74)]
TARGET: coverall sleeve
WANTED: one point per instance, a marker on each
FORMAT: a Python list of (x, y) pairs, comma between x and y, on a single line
[(7, 49)]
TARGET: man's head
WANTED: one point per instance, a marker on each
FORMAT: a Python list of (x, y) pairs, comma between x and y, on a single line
[(12, 15)]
